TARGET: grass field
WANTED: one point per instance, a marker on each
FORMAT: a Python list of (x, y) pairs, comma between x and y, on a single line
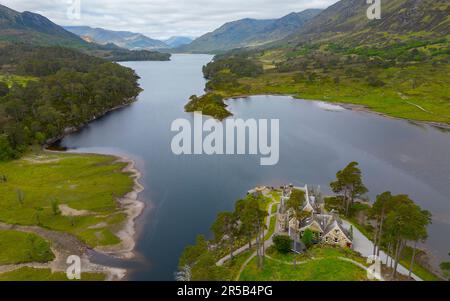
[(230, 269), (427, 101), (271, 230), (38, 184), (32, 274), (401, 97), (326, 266), (11, 79), (19, 247)]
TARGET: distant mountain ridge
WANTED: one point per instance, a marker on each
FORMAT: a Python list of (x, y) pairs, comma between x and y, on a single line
[(178, 41), (250, 32), (124, 39), (33, 28)]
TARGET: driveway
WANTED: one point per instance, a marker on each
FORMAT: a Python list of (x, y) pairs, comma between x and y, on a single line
[(364, 246)]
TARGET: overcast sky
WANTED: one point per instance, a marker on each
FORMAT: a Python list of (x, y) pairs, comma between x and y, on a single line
[(163, 18)]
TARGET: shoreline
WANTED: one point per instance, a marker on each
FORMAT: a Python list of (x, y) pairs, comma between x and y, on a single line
[(132, 206), (347, 106), (74, 129), (130, 203)]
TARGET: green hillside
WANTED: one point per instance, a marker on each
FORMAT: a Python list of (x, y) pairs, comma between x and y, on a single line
[(397, 66), (34, 29), (250, 32), (347, 22)]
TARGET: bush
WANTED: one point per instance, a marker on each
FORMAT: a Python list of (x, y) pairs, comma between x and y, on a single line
[(282, 243), (6, 151), (308, 238), (373, 81), (239, 66)]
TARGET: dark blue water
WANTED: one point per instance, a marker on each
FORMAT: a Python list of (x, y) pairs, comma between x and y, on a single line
[(184, 193)]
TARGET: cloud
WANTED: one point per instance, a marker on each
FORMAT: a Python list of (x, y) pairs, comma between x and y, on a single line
[(164, 18)]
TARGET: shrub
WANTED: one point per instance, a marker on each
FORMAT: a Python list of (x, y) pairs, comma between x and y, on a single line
[(308, 238), (374, 81), (282, 243)]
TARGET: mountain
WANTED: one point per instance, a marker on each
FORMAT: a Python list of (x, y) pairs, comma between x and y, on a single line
[(250, 32), (397, 65), (175, 42), (347, 21), (124, 39), (33, 28)]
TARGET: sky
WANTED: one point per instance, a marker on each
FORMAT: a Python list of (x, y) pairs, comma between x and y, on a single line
[(161, 18)]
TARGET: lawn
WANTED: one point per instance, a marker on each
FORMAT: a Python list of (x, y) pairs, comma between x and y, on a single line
[(319, 264), (38, 184), (271, 230), (276, 195), (19, 247), (32, 274), (274, 209), (326, 269), (231, 268)]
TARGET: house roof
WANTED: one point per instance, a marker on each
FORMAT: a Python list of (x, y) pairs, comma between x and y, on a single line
[(337, 223), (326, 223)]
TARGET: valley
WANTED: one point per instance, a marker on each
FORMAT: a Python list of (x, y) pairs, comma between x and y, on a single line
[(341, 87)]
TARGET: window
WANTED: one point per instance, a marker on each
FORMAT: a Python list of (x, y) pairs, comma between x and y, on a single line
[(336, 240)]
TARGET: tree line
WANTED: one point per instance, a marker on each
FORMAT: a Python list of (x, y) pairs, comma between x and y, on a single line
[(398, 221), (71, 89), (231, 230)]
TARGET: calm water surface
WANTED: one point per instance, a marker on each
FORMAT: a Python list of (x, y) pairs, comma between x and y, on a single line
[(184, 193)]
